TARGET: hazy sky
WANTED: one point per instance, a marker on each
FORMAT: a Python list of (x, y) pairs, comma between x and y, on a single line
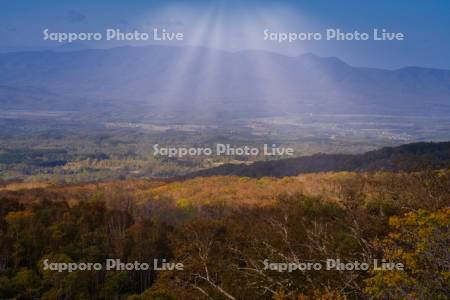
[(239, 25)]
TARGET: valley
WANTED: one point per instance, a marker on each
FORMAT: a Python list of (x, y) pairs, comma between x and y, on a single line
[(365, 178)]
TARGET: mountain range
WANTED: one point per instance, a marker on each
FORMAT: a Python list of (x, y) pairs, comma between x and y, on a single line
[(188, 81)]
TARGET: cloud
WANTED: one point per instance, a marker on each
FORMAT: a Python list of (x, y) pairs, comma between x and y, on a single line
[(9, 29), (75, 16)]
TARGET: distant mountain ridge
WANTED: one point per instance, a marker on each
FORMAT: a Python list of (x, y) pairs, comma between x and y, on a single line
[(199, 81), (409, 157)]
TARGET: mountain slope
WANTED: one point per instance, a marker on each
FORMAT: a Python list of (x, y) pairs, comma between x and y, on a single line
[(186, 80), (416, 156)]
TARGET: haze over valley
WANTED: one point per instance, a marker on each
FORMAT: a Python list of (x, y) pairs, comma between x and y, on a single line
[(65, 112)]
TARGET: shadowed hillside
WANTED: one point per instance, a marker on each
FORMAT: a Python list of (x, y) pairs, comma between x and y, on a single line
[(408, 157)]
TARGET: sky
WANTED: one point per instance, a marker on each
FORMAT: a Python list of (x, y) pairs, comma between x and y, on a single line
[(239, 25)]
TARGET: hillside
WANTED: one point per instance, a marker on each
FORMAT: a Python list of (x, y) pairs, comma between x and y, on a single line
[(228, 226), (408, 157)]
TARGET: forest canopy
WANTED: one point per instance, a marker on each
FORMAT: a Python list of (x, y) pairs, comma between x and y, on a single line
[(224, 231)]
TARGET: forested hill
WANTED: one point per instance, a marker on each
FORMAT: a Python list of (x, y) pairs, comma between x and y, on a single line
[(409, 157)]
